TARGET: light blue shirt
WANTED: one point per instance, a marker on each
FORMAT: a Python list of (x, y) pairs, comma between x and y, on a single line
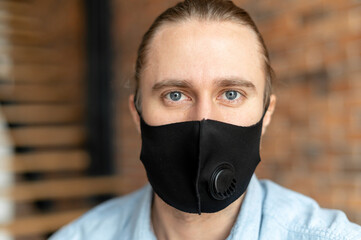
[(268, 212)]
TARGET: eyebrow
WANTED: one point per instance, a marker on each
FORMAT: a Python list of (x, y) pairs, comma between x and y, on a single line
[(223, 82), (235, 82), (171, 83)]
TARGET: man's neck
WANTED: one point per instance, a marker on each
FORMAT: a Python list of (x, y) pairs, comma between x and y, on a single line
[(170, 223)]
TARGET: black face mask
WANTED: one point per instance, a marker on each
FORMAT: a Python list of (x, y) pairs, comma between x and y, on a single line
[(200, 166)]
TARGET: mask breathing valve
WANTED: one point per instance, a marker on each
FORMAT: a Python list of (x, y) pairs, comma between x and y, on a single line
[(222, 184)]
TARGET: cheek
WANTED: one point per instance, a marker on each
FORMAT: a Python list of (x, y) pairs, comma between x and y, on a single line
[(246, 115), (150, 111), (159, 116), (155, 113), (147, 105)]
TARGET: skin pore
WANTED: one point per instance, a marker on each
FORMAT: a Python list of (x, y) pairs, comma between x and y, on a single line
[(201, 70)]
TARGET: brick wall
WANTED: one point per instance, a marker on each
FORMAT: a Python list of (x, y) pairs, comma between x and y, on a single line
[(313, 144)]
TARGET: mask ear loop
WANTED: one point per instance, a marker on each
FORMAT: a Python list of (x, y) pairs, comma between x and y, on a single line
[(266, 109), (135, 103)]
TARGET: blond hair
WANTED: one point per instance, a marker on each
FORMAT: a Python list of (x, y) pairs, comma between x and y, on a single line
[(208, 10)]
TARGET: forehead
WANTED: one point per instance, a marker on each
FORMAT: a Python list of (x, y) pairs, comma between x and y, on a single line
[(201, 51)]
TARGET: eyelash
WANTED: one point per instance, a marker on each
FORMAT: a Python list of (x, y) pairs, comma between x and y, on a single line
[(239, 98), (166, 98)]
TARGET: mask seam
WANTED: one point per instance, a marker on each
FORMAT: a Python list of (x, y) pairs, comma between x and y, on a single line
[(199, 168)]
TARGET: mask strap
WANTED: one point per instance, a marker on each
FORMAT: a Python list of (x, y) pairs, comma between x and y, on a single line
[(265, 109), (135, 103)]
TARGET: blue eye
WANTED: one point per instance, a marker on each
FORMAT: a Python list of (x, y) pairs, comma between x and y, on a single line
[(175, 96), (231, 95)]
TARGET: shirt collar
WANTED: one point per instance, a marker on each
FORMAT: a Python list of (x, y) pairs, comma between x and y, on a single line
[(248, 222), (143, 227), (247, 225)]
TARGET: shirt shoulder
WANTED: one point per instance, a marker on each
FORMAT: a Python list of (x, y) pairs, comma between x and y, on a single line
[(107, 219), (300, 217)]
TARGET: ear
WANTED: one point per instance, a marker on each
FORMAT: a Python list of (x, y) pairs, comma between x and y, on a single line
[(268, 116), (134, 112)]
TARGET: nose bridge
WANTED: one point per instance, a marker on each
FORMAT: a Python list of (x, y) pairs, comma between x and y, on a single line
[(204, 108)]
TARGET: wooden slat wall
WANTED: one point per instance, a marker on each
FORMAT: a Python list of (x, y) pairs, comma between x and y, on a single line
[(47, 161), (43, 159)]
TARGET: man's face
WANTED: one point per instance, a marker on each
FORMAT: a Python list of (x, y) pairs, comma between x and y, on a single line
[(203, 70)]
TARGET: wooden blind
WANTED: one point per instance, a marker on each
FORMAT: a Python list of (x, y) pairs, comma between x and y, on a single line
[(43, 157)]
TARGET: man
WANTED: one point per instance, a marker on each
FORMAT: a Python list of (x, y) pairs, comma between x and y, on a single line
[(203, 99)]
